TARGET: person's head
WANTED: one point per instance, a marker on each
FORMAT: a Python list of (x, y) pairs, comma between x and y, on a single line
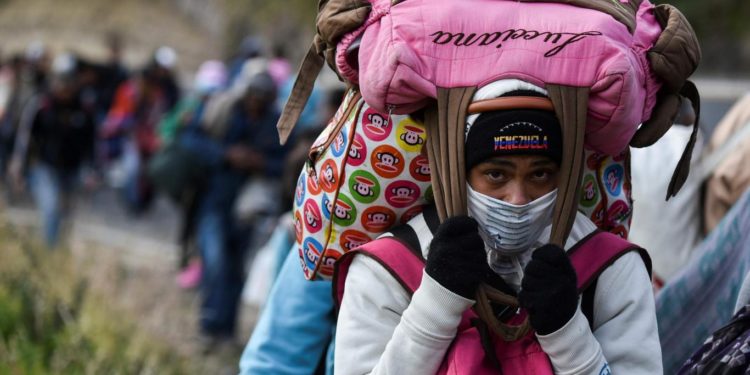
[(114, 44), (87, 73), (260, 94), (165, 58), (36, 53), (514, 155), (63, 82), (251, 47), (512, 161), (211, 77)]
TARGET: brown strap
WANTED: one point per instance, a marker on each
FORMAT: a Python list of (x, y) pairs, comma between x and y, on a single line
[(445, 123), (487, 295), (303, 85), (571, 105), (510, 102), (682, 169), (662, 117), (623, 12)]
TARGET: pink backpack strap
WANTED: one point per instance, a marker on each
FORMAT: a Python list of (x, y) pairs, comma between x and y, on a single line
[(597, 251), (404, 264)]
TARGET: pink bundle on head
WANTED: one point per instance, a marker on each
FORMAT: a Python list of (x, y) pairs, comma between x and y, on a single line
[(412, 48)]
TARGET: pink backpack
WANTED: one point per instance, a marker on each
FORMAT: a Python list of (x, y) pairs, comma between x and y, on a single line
[(615, 71), (412, 48), (590, 257)]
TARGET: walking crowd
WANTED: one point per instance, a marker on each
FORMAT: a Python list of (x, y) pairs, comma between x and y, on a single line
[(70, 125), (452, 211)]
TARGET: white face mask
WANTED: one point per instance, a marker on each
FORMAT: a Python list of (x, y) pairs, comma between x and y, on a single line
[(508, 228)]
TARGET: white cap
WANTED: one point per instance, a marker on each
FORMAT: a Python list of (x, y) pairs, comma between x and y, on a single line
[(166, 57)]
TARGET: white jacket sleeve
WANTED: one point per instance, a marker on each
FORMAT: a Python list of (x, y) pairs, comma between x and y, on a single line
[(625, 338), (380, 331)]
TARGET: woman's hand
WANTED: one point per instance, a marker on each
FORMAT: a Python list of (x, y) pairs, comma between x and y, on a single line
[(549, 290), (457, 259)]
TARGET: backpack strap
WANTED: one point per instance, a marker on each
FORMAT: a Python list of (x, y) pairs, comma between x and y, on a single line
[(400, 254), (597, 251), (303, 85), (445, 122), (409, 236), (594, 254), (682, 169), (395, 256), (587, 303), (335, 19), (571, 106)]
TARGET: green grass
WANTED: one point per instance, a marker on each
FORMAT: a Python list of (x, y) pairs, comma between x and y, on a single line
[(53, 322)]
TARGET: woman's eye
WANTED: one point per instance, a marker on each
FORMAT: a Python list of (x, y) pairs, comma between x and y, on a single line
[(495, 175), (541, 175)]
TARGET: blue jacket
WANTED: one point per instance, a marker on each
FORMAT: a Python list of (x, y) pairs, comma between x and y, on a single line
[(295, 328), (261, 135)]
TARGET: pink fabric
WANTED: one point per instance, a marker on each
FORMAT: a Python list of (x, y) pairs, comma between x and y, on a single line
[(410, 49), (597, 252), (466, 356), (392, 254)]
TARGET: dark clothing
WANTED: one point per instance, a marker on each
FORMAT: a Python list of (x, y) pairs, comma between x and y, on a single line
[(62, 139), (171, 91), (111, 76), (221, 239), (63, 135)]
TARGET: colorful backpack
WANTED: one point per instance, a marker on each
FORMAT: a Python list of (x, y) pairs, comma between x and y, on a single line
[(366, 173), (512, 355)]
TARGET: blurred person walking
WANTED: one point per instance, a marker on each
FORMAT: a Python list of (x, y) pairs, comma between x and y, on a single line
[(9, 109), (163, 66), (279, 67), (251, 47), (178, 171), (24, 78), (111, 75), (55, 143), (249, 148), (130, 130)]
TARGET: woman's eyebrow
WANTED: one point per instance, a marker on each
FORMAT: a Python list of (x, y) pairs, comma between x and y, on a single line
[(542, 163), (500, 163)]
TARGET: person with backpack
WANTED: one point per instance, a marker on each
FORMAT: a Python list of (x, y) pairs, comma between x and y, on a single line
[(177, 171), (512, 162)]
